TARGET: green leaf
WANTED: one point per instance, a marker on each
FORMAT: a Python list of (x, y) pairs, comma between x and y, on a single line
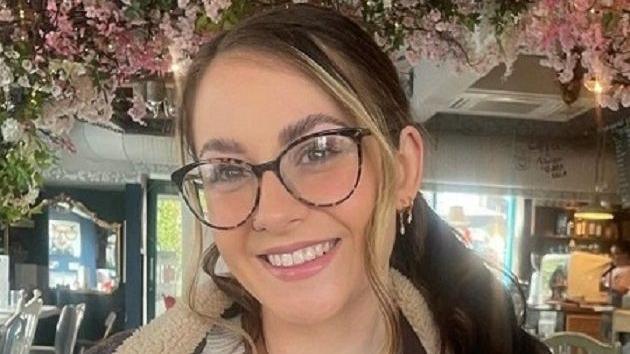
[(608, 20), (166, 5)]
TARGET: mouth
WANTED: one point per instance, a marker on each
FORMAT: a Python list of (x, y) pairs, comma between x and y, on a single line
[(301, 263)]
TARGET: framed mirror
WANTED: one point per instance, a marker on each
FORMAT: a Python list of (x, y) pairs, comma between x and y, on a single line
[(84, 251)]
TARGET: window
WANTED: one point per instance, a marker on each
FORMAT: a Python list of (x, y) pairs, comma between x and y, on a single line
[(168, 270), (485, 222)]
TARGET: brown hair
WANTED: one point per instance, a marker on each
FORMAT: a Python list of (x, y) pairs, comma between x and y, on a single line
[(472, 310)]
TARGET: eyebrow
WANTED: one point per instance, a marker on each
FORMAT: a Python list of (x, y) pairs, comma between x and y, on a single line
[(305, 125), (287, 135), (222, 145)]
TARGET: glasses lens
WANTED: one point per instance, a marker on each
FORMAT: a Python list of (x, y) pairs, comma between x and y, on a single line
[(222, 193), (322, 170)]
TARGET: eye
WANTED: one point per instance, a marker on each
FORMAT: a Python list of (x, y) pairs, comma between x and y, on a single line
[(319, 150), (225, 173)]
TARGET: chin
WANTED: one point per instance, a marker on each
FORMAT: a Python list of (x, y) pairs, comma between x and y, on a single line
[(309, 309), (311, 301)]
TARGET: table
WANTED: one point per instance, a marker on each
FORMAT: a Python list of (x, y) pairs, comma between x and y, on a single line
[(47, 311), (620, 322), (590, 319)]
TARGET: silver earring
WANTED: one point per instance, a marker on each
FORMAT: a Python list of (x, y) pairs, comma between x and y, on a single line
[(410, 213)]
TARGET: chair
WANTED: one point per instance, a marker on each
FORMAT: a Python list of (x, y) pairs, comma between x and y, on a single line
[(564, 342), (30, 314), (20, 300), (109, 324), (12, 334), (66, 333)]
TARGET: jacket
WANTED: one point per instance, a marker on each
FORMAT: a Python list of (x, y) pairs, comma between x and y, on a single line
[(183, 331)]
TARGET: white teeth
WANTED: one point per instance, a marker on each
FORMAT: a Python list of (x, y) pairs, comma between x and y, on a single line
[(300, 256), (274, 259), (309, 253), (287, 260)]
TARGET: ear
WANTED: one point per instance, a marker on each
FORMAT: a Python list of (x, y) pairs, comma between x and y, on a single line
[(409, 161)]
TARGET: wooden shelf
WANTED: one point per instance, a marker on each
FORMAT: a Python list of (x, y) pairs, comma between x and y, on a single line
[(575, 238), (554, 237), (592, 239)]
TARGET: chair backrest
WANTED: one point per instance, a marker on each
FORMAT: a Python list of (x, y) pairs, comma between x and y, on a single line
[(20, 301), (30, 314), (37, 294), (12, 334), (68, 327), (570, 342), (109, 323)]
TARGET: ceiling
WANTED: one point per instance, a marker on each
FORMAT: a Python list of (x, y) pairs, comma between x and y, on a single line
[(526, 103)]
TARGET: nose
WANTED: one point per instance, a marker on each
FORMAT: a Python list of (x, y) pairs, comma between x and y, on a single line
[(278, 211)]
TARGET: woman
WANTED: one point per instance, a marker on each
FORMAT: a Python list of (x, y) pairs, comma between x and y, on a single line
[(307, 167)]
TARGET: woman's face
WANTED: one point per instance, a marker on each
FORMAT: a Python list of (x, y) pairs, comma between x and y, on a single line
[(252, 101)]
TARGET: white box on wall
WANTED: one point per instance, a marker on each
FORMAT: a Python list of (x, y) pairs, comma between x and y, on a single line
[(4, 281)]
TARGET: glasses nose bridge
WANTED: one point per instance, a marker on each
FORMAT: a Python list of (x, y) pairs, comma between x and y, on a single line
[(273, 166)]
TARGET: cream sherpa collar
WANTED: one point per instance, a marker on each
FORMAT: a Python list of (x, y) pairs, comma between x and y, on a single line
[(180, 330)]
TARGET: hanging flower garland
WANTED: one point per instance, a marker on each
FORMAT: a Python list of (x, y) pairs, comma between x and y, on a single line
[(64, 60), (587, 41)]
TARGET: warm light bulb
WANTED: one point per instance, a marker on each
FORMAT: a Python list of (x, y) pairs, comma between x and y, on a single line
[(176, 68), (594, 215), (595, 86)]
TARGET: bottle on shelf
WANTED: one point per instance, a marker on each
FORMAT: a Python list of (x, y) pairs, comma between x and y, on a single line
[(598, 230), (570, 228), (591, 229), (561, 224)]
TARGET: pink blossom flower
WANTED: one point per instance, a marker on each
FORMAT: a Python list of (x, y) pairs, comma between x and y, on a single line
[(214, 7), (51, 5), (6, 15), (435, 15), (582, 5), (138, 111), (609, 102)]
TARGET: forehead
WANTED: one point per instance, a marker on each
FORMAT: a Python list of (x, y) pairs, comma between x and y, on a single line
[(250, 98)]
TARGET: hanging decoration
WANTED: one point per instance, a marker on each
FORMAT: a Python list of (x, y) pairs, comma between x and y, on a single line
[(587, 41), (63, 61)]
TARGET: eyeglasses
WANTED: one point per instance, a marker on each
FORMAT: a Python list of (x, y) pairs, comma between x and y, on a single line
[(320, 169)]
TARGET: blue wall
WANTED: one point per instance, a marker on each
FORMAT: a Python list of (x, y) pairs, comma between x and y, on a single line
[(134, 198), (119, 206), (122, 205)]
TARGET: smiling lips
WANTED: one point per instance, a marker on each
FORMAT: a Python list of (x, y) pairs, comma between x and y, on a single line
[(301, 255), (299, 261)]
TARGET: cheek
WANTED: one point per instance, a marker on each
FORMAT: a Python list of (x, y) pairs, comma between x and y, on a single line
[(232, 248), (356, 212)]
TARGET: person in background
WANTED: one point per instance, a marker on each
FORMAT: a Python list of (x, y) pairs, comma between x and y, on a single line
[(617, 278)]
